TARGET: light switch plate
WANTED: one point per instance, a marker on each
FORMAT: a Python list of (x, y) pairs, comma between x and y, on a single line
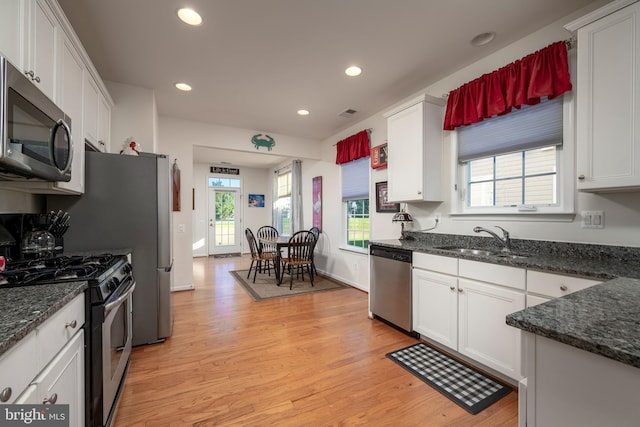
[(592, 219)]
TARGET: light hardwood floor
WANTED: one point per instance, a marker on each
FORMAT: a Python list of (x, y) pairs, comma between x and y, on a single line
[(311, 360)]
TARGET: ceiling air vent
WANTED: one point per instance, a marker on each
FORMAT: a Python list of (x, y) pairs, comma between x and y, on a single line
[(348, 113)]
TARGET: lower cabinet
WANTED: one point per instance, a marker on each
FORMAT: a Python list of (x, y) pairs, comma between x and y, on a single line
[(47, 366), (468, 316), (483, 333)]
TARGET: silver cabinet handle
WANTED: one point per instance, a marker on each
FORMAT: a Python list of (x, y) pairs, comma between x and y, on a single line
[(453, 288), (52, 400), (71, 324), (419, 192), (460, 290), (37, 79), (563, 288), (581, 177), (29, 73), (5, 394)]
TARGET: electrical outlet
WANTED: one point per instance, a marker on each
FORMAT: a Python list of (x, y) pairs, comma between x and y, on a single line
[(181, 228), (592, 219)]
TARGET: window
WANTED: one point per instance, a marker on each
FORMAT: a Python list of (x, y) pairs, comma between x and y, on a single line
[(282, 206), (515, 164), (358, 223), (355, 198), (224, 182), (522, 178)]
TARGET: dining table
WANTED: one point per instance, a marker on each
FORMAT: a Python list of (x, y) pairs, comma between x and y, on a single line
[(277, 244)]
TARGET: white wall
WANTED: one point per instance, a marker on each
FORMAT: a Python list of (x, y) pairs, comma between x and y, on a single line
[(177, 137), (254, 181), (134, 116)]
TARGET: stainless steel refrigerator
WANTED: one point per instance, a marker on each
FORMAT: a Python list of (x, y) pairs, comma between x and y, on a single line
[(127, 204)]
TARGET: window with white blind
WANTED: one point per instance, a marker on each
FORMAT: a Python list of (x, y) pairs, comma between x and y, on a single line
[(519, 163), (355, 198)]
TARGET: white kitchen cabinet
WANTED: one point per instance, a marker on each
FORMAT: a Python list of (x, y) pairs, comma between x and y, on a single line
[(435, 306), (62, 381), (40, 56), (49, 361), (414, 142), (608, 102), (12, 30), (484, 334), (567, 386), (97, 116), (104, 125), (542, 286)]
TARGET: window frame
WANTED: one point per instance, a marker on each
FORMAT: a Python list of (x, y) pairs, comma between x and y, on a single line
[(565, 178), (278, 198)]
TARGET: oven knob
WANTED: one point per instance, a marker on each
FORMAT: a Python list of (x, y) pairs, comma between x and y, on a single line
[(127, 268), (112, 284)]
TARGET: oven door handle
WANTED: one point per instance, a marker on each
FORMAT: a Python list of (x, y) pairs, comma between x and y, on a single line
[(125, 294)]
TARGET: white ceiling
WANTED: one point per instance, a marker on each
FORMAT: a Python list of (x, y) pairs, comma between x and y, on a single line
[(254, 63)]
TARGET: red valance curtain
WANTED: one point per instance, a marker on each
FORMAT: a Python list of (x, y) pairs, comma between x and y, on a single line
[(352, 148), (525, 81)]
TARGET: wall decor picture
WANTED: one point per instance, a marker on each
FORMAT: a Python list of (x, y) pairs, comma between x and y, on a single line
[(379, 156), (317, 202), (382, 203), (256, 200)]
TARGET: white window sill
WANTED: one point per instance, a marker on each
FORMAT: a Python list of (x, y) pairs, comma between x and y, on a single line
[(515, 216), (361, 251)]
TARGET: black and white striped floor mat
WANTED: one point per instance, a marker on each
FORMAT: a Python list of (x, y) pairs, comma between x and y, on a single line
[(466, 386)]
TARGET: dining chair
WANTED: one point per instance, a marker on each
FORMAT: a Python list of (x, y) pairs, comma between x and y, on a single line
[(257, 256), (299, 253), (316, 234), (266, 231)]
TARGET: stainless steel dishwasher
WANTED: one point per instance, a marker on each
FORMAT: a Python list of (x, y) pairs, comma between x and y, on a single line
[(390, 279)]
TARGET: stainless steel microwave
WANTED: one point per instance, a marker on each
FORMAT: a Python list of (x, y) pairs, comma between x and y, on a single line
[(36, 134)]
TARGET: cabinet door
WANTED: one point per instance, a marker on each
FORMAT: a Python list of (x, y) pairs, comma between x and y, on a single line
[(72, 75), (484, 334), (608, 110), (42, 48), (405, 137), (435, 307), (91, 100), (104, 125), (12, 31), (62, 381)]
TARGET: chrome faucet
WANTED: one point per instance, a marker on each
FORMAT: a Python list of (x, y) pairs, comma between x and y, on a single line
[(504, 240)]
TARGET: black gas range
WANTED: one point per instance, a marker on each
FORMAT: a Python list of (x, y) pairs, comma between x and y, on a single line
[(108, 320)]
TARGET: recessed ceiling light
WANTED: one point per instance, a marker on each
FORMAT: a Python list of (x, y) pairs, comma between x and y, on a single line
[(183, 86), (189, 16), (353, 71), (483, 38), (303, 112)]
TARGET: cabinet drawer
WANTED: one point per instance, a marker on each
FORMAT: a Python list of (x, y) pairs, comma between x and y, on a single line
[(556, 285), (19, 366), (441, 264), (492, 273), (57, 330)]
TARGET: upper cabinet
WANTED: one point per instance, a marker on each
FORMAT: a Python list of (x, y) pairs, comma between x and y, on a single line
[(608, 101), (414, 138), (97, 116), (37, 38), (12, 30), (42, 35)]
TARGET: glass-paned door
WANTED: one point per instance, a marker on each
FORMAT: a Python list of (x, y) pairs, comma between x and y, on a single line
[(224, 221)]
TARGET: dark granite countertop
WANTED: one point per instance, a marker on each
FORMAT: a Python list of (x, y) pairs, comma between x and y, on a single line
[(22, 309), (603, 319)]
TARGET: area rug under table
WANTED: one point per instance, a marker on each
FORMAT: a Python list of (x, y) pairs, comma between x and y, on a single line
[(467, 387), (265, 287)]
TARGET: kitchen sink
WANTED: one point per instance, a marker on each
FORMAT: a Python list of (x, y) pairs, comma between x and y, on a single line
[(468, 251), (482, 252)]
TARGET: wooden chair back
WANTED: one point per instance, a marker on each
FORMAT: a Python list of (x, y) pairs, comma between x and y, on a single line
[(300, 247)]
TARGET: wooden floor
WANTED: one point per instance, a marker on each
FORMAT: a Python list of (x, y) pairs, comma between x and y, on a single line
[(311, 360)]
